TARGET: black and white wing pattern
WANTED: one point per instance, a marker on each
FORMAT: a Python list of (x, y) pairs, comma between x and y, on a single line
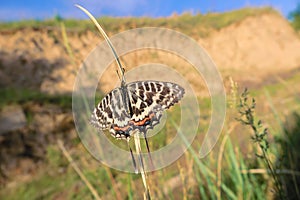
[(135, 106), (111, 114), (149, 98)]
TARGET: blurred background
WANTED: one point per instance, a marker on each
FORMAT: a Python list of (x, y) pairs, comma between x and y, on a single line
[(255, 45)]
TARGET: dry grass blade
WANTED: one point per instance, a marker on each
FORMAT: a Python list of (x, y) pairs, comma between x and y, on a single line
[(183, 180), (67, 45), (219, 170), (220, 156), (78, 171), (141, 164), (114, 184), (105, 37), (264, 171)]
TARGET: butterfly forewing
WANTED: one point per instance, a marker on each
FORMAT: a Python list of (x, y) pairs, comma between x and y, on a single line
[(142, 111), (149, 98)]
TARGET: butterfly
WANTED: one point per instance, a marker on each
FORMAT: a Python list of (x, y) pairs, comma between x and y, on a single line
[(135, 106)]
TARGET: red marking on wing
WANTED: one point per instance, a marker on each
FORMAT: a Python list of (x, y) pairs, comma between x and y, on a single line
[(132, 122), (142, 122), (116, 128)]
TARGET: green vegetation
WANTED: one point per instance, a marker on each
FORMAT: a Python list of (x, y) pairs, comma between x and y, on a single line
[(23, 95), (231, 171), (186, 23), (246, 109), (295, 17)]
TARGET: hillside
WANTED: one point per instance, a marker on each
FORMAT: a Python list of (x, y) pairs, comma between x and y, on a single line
[(257, 46)]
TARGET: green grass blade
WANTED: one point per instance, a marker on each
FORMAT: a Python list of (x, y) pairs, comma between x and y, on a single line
[(205, 170)]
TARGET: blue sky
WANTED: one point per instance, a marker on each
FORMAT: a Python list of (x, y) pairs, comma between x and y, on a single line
[(39, 9)]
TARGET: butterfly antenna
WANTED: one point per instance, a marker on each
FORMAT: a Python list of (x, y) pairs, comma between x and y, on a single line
[(118, 74), (132, 157), (148, 149), (106, 39)]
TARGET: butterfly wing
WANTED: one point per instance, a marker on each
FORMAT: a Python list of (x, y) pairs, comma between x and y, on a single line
[(149, 98), (110, 114)]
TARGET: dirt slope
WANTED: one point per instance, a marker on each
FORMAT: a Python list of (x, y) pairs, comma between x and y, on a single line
[(259, 46), (251, 50)]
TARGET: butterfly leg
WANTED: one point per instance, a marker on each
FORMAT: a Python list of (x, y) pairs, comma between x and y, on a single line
[(148, 149), (132, 157)]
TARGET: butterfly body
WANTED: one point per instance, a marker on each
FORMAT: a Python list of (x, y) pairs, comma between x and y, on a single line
[(135, 106)]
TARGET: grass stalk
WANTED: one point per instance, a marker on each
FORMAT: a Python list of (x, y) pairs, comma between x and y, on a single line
[(113, 183), (265, 171), (67, 44), (129, 187), (219, 165), (137, 142), (77, 170), (183, 180), (276, 114), (246, 110), (205, 170), (294, 176)]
